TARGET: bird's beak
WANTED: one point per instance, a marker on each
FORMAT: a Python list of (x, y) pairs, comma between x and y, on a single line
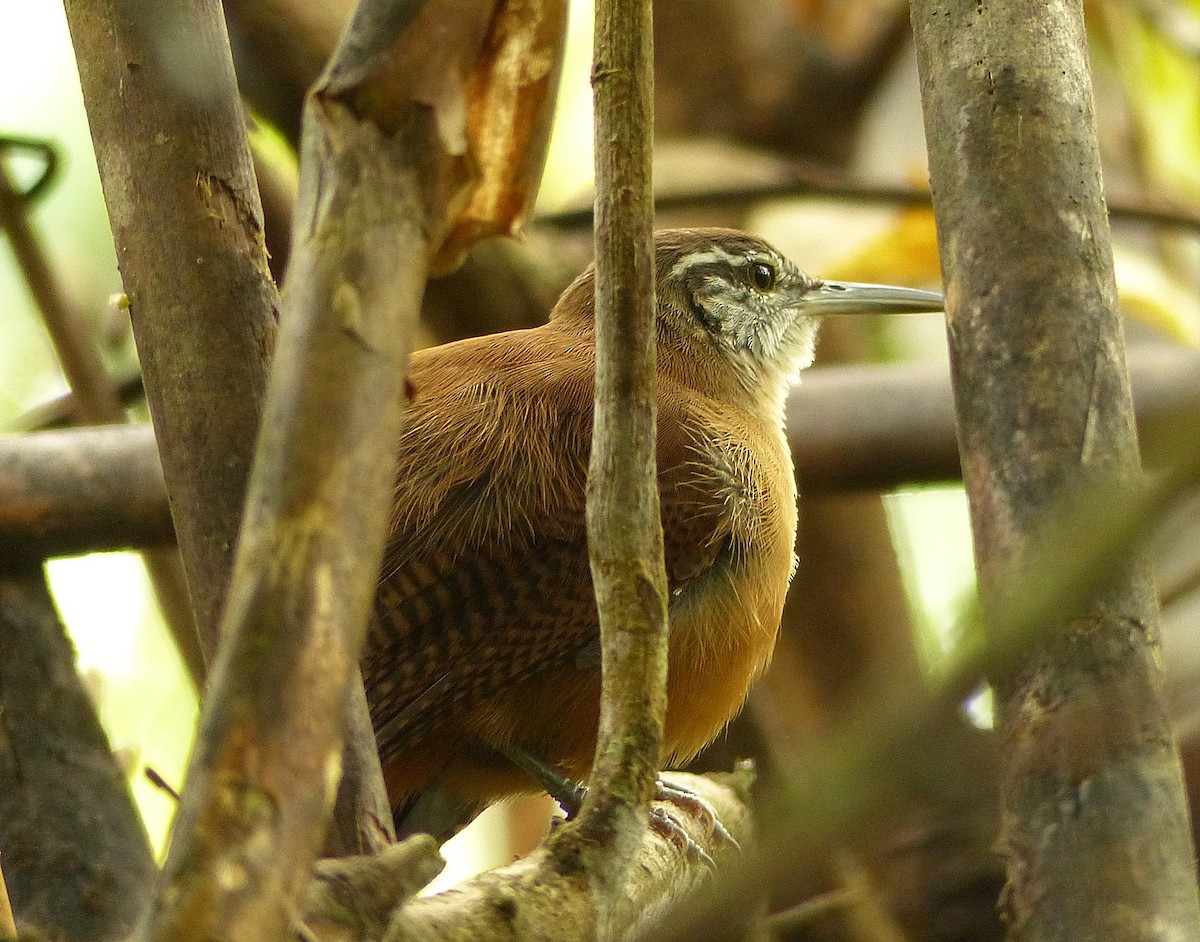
[(850, 297)]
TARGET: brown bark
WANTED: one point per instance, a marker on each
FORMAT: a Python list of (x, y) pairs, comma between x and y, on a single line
[(390, 155), (1095, 830), (96, 401), (76, 857), (83, 490), (362, 815), (625, 543), (538, 898), (850, 427), (175, 166)]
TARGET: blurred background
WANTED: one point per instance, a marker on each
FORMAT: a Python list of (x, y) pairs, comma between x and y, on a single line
[(815, 104)]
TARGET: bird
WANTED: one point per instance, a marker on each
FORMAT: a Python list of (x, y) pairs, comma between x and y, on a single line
[(482, 661)]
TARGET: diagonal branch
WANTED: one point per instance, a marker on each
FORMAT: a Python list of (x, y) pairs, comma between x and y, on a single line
[(77, 860), (187, 224), (96, 400), (387, 163)]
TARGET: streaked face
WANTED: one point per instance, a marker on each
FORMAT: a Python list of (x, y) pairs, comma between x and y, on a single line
[(744, 297)]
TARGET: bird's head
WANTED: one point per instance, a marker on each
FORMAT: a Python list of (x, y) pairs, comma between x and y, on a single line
[(736, 310)]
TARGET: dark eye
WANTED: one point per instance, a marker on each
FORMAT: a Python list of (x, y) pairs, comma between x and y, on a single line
[(762, 276)]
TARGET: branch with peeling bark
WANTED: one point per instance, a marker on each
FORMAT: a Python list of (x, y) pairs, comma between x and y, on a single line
[(385, 171)]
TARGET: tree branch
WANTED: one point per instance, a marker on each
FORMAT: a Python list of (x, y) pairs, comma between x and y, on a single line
[(625, 541), (537, 898), (96, 400), (389, 156), (83, 490), (873, 427), (1095, 822), (170, 139), (800, 180), (76, 856)]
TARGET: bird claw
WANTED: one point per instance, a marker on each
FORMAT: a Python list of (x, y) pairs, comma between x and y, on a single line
[(698, 806), (570, 796), (668, 826)]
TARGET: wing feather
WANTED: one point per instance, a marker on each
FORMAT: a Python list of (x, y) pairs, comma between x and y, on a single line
[(486, 579)]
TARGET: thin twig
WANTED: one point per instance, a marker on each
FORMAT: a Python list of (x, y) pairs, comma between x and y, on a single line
[(625, 542), (804, 914), (96, 400)]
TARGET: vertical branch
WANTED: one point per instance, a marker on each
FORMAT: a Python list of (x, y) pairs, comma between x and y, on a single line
[(1095, 826), (624, 530), (170, 138)]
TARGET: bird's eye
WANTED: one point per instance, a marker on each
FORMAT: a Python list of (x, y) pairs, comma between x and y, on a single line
[(762, 276)]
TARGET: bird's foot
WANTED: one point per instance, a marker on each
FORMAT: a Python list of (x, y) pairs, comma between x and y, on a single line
[(698, 806), (667, 825), (664, 821)]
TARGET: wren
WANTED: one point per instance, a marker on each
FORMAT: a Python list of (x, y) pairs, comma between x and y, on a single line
[(485, 643)]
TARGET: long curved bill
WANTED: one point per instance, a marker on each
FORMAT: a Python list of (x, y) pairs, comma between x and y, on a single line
[(850, 297)]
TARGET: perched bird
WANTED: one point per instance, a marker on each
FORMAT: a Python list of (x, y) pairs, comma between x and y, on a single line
[(484, 656)]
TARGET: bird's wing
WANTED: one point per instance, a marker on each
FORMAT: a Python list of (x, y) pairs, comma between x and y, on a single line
[(486, 578)]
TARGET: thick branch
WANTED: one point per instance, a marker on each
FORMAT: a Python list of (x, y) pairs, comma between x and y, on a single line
[(76, 856), (82, 490), (173, 159), (535, 898), (1095, 835), (386, 166), (850, 427)]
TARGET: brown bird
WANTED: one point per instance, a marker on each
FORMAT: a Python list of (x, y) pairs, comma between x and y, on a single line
[(484, 659)]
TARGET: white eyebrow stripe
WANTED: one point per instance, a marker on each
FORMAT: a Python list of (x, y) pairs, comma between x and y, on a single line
[(712, 256)]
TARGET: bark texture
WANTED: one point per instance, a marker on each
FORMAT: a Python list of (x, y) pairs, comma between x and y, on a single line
[(78, 491), (393, 181), (76, 857), (538, 898), (170, 138), (1095, 830), (625, 543), (97, 401)]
